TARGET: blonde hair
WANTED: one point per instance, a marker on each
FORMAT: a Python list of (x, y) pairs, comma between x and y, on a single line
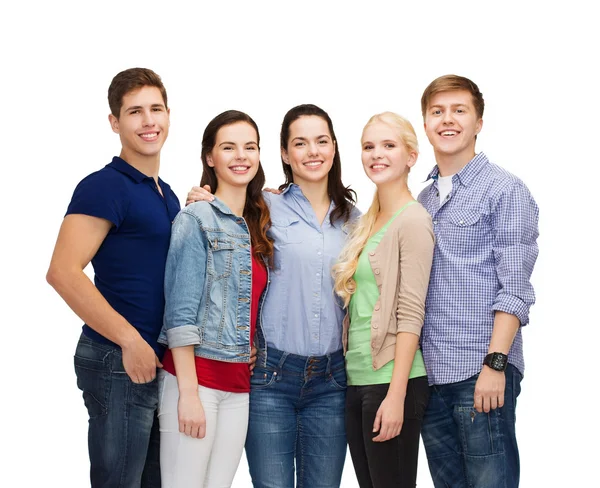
[(343, 271)]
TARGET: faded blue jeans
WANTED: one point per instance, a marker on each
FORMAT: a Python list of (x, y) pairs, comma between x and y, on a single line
[(468, 449), (297, 414), (123, 435)]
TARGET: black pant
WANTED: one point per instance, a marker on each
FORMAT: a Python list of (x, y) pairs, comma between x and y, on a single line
[(392, 463)]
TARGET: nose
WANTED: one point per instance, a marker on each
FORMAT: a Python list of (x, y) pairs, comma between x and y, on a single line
[(377, 153), (148, 120), (240, 154), (447, 117), (313, 149)]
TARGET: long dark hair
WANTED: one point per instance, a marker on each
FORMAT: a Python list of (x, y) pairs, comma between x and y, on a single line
[(256, 211), (343, 196)]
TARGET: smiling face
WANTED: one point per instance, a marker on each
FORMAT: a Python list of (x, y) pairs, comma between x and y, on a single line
[(235, 156), (143, 124), (451, 124), (385, 157), (310, 149)]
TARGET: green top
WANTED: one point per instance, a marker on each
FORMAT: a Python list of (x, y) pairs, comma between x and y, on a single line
[(358, 356)]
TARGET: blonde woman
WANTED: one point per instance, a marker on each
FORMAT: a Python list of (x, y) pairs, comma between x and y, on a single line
[(382, 277)]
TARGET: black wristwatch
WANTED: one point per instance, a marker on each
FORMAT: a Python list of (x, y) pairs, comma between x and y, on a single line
[(496, 361)]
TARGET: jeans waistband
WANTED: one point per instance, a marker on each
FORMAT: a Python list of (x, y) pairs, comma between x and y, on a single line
[(304, 364)]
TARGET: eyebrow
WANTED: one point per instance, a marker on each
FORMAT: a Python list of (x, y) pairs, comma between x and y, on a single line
[(306, 139), (452, 105), (233, 143), (138, 107)]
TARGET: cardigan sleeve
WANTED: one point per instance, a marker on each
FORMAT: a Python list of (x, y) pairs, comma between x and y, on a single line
[(416, 242)]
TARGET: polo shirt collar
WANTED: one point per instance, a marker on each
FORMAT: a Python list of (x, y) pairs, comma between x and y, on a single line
[(124, 167)]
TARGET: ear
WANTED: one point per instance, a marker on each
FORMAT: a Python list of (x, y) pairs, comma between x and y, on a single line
[(169, 116), (412, 159), (284, 156), (478, 126), (114, 123), (209, 161)]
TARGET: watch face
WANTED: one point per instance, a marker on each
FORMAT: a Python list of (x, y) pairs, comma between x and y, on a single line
[(496, 360)]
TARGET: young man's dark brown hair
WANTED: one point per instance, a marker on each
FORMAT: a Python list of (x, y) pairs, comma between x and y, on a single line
[(129, 80)]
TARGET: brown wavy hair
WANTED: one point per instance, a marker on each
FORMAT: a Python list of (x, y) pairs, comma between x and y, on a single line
[(256, 212), (130, 80), (343, 197)]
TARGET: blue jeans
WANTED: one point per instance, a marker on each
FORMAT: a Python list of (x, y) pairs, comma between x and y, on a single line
[(123, 436), (297, 413), (468, 449)]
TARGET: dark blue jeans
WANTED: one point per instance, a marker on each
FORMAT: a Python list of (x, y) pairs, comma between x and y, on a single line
[(297, 407), (468, 449), (123, 436)]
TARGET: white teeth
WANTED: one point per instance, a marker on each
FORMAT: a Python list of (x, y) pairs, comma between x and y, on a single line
[(149, 136), (378, 166), (449, 133), (312, 163), (239, 168)]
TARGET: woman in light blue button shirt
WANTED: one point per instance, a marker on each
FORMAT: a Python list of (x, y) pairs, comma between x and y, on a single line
[(296, 427)]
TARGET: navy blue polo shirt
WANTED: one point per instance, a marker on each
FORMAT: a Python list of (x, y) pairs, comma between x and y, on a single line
[(129, 266)]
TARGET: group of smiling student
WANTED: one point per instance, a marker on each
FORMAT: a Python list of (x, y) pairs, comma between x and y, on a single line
[(284, 321)]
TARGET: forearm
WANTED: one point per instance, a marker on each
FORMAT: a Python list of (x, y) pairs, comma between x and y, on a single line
[(406, 348), (80, 294), (185, 367), (505, 328)]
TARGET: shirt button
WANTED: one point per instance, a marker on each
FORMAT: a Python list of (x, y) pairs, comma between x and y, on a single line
[(376, 307), (371, 253), (462, 222), (377, 271), (435, 222), (316, 315), (318, 274), (319, 253)]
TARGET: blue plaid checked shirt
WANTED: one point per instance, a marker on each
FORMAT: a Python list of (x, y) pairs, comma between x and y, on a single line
[(486, 231)]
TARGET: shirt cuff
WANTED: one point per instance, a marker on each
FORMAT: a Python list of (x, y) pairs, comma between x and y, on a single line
[(514, 306), (185, 335)]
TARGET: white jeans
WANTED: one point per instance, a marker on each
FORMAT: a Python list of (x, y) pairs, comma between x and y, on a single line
[(211, 462)]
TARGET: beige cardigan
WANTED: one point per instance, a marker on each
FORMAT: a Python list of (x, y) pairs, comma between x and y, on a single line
[(401, 265)]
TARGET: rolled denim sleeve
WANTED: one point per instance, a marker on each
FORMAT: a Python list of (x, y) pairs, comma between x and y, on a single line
[(515, 223), (185, 274)]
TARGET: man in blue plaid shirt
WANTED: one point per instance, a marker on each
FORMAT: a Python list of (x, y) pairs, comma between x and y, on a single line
[(486, 226)]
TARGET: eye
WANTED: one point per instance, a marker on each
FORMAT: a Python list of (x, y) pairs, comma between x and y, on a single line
[(367, 147), (157, 109), (251, 148), (227, 148), (389, 145), (460, 110), (299, 143), (133, 112), (323, 142), (436, 112)]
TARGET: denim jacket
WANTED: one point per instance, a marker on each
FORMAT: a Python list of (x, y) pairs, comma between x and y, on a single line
[(208, 283)]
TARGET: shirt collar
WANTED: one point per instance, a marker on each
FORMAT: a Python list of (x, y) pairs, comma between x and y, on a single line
[(292, 187), (124, 167), (220, 205), (468, 173)]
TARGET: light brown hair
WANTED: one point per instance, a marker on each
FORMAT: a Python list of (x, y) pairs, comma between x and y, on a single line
[(130, 80), (453, 83)]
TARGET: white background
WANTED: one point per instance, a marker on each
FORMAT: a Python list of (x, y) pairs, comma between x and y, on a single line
[(534, 63)]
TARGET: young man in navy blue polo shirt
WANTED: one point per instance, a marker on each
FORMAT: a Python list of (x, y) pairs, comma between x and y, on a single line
[(120, 219)]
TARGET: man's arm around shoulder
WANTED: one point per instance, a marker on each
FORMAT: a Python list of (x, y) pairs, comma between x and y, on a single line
[(79, 239)]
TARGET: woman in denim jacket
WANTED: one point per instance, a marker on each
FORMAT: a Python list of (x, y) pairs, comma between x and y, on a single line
[(296, 428), (216, 272)]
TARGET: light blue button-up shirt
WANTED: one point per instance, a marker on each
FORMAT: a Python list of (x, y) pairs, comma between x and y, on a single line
[(301, 314), (486, 246)]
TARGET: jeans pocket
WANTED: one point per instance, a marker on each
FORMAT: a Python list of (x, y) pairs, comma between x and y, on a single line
[(263, 378), (93, 379), (337, 378), (480, 433)]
